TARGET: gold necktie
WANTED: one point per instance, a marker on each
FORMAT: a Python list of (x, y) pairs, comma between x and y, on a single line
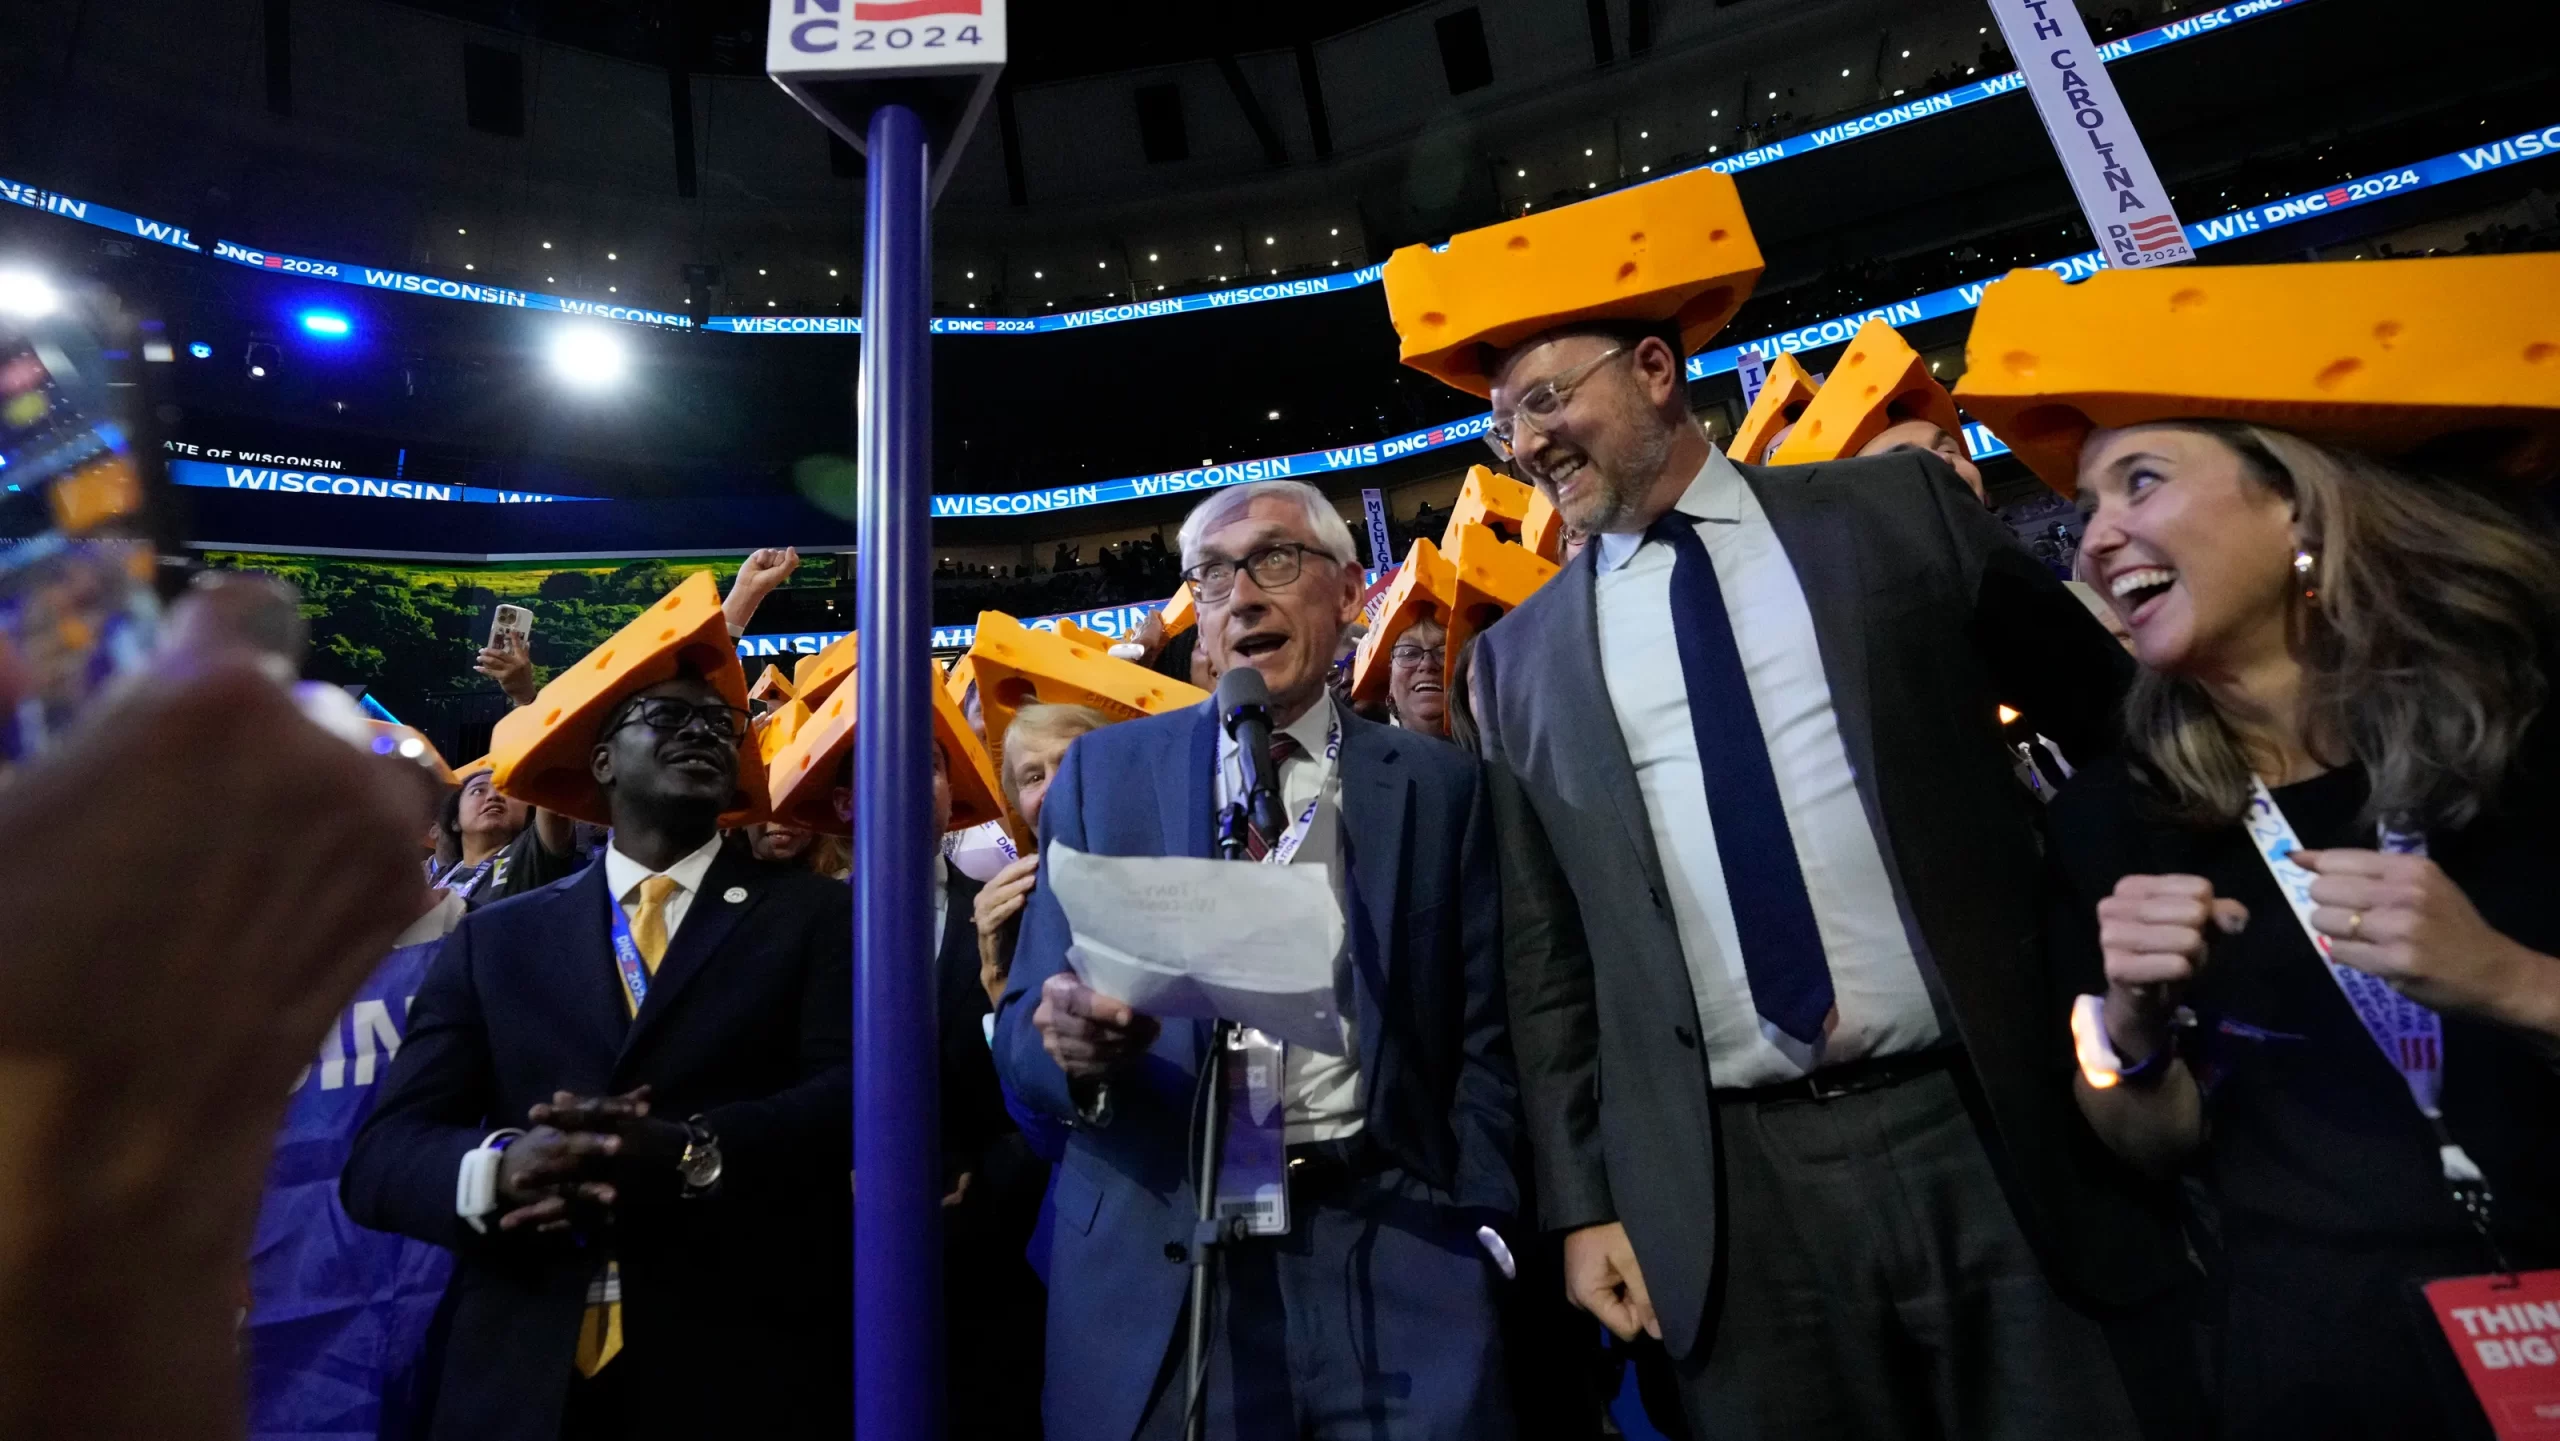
[(600, 1330)]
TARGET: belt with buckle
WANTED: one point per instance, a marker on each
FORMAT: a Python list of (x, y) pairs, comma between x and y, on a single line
[(1321, 1167), (1849, 1077)]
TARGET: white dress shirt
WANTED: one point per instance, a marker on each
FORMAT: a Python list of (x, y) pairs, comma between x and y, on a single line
[(623, 875), (1883, 1003), (1320, 1094)]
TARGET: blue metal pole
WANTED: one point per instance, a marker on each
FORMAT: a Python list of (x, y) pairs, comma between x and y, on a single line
[(897, 1229)]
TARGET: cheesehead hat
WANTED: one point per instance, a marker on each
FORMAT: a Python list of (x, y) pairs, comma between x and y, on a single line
[(1017, 665), (1783, 396), (1181, 612), (2377, 355), (1491, 575), (1425, 587), (807, 762), (1879, 383), (813, 677), (1676, 250), (540, 752)]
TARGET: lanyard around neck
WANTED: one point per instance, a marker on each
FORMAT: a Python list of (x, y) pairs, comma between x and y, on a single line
[(2410, 1036)]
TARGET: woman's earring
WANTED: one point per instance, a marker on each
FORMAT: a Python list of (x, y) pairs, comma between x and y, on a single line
[(2304, 563)]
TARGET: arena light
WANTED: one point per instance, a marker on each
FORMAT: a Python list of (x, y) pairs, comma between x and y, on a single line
[(588, 357), (327, 324), (28, 295), (200, 351)]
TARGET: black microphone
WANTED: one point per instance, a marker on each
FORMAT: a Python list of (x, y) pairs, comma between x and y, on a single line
[(1244, 708)]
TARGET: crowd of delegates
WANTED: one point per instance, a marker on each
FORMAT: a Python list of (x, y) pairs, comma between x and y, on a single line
[(1721, 990)]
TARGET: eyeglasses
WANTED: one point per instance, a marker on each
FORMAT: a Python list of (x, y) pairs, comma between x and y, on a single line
[(1274, 567), (669, 715), (1542, 403), (1410, 656)]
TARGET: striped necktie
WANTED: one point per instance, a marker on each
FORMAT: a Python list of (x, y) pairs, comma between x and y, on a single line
[(1283, 747)]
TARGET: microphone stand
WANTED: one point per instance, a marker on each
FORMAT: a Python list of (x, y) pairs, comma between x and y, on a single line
[(1208, 1232)]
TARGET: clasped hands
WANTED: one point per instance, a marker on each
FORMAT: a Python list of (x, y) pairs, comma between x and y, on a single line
[(570, 1164), (2399, 917)]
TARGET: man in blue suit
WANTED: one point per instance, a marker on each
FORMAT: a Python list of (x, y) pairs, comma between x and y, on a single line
[(1374, 1314)]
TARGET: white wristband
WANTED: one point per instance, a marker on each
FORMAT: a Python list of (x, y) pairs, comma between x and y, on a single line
[(475, 1186)]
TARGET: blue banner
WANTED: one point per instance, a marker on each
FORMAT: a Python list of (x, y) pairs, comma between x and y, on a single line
[(446, 288), (1955, 299), (1072, 320), (209, 476), (1212, 477), (90, 212), (1891, 117), (338, 1315), (2250, 220), (441, 288), (1110, 620)]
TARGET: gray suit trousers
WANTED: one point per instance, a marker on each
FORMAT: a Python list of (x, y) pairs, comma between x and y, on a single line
[(1876, 1287)]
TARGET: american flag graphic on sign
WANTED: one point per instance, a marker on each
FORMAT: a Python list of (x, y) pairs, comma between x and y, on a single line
[(912, 9), (2155, 231)]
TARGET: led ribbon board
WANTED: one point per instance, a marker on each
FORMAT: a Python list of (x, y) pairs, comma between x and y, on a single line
[(206, 475), (1955, 299), (1820, 137), (2250, 220), (1111, 620)]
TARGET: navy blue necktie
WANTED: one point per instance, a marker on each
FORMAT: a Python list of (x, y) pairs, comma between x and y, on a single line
[(1772, 913)]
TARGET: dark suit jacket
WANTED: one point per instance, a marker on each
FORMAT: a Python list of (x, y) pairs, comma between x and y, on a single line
[(736, 1305), (1435, 1061), (1929, 615)]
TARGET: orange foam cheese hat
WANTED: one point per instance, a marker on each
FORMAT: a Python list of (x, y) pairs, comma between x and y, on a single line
[(775, 727), (813, 677), (1487, 498), (1542, 530), (1181, 612), (540, 752), (1017, 665), (1784, 394), (806, 764), (1678, 249), (2375, 355), (1880, 382), (1425, 588), (1491, 575), (957, 680), (1086, 635), (772, 686), (1517, 511)]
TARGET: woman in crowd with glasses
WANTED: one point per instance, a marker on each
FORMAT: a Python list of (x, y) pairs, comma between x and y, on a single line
[(2350, 661)]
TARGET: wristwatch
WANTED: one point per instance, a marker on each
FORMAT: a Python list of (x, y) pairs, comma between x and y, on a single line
[(700, 1163)]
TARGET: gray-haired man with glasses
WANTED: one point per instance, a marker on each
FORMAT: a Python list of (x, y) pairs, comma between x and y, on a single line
[(1372, 1315)]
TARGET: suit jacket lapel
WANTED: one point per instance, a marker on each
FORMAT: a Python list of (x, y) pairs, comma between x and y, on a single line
[(1184, 794), (1376, 794), (708, 920), (1589, 734), (587, 976), (1813, 527)]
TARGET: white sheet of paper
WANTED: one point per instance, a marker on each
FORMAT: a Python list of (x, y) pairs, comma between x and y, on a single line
[(1179, 937)]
